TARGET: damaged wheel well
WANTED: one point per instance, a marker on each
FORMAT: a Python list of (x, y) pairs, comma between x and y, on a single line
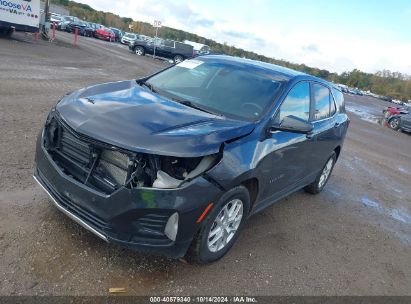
[(252, 187)]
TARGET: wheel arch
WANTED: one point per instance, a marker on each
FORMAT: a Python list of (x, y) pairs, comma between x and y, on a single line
[(139, 45), (252, 186), (337, 151)]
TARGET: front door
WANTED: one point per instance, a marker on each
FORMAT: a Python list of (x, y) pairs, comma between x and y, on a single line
[(288, 154)]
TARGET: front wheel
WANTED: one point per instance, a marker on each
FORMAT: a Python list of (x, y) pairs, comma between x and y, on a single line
[(394, 123), (322, 178), (221, 228), (139, 51)]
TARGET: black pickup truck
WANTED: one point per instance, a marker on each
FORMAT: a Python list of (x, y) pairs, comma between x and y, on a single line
[(177, 51)]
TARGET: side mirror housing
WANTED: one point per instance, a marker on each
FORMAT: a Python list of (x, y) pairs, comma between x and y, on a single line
[(292, 124)]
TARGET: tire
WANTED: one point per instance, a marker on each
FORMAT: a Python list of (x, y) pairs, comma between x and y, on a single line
[(178, 59), (139, 51), (206, 248), (394, 123), (320, 181)]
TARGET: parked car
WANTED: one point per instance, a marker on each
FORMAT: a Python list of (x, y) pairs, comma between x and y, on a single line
[(385, 98), (54, 18), (199, 48), (175, 163), (343, 88), (400, 122), (390, 111), (65, 21), (170, 49), (129, 37), (104, 33), (358, 92), (81, 26), (117, 33), (90, 29), (397, 101)]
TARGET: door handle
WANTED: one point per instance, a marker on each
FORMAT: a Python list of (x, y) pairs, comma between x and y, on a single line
[(336, 125)]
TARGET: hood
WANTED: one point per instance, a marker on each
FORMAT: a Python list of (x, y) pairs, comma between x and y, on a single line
[(126, 115)]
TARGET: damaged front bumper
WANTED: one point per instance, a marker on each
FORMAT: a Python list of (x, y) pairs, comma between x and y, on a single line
[(131, 217)]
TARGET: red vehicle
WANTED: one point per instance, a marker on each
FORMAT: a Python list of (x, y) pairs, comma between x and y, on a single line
[(390, 111), (105, 34)]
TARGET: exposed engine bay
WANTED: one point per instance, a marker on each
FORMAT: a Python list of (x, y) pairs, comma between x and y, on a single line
[(106, 168)]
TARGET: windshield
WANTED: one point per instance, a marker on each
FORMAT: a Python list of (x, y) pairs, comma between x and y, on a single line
[(231, 89)]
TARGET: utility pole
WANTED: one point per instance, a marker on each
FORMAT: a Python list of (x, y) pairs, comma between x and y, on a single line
[(44, 33)]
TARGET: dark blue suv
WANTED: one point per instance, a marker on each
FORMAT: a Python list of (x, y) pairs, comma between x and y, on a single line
[(176, 162)]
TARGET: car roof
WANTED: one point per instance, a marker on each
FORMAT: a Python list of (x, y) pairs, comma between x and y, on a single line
[(290, 74), (259, 64)]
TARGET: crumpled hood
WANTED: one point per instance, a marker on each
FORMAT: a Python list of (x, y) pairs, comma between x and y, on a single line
[(126, 115)]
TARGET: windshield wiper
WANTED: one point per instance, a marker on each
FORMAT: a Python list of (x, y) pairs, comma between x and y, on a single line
[(147, 85), (192, 105), (150, 86)]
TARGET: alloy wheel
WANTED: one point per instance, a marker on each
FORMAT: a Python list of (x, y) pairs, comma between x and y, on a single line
[(178, 59), (394, 123), (225, 226), (326, 173)]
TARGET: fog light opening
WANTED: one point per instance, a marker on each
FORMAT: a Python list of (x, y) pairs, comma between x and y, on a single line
[(172, 227)]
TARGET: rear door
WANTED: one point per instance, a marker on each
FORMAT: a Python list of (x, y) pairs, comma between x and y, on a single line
[(326, 127), (163, 48), (406, 121)]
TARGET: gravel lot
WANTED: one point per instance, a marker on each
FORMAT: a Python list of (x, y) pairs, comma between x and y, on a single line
[(352, 239)]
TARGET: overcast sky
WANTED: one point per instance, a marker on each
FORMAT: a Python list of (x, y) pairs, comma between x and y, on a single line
[(336, 35)]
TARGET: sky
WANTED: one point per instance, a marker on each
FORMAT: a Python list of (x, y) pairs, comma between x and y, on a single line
[(339, 36)]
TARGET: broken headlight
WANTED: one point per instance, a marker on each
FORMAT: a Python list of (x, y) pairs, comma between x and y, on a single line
[(167, 172)]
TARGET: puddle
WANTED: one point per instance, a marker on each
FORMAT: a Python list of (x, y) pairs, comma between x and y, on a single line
[(370, 203), (401, 216), (363, 114), (397, 214), (334, 192), (403, 170)]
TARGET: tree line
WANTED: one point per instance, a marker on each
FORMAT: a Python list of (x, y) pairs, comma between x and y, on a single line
[(386, 83)]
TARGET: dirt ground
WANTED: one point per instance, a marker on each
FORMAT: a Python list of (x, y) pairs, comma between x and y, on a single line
[(352, 239)]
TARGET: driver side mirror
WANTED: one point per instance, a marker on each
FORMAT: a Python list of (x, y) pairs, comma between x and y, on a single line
[(292, 124)]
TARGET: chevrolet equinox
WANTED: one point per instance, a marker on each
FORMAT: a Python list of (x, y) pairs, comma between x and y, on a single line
[(175, 163)]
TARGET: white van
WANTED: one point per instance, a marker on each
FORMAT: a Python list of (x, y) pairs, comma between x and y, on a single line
[(19, 15)]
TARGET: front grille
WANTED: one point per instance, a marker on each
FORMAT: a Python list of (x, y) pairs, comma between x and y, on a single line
[(87, 161)]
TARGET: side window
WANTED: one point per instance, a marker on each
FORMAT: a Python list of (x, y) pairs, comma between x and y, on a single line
[(322, 102), (169, 43), (297, 103), (339, 99)]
